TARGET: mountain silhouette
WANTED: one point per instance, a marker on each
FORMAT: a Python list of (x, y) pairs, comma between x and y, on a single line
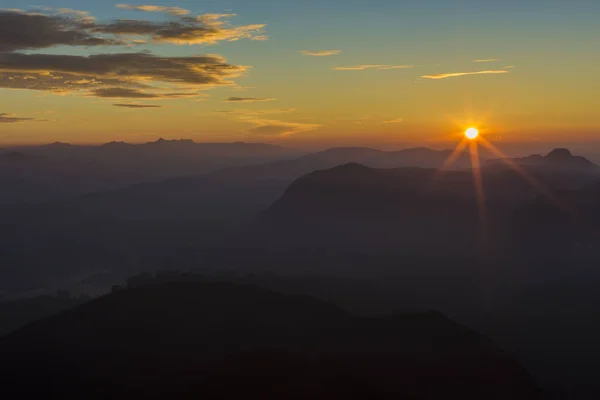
[(558, 160), (248, 187), (38, 174), (231, 340), (354, 205)]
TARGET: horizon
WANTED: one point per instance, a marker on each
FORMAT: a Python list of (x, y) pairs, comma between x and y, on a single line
[(509, 149), (232, 71)]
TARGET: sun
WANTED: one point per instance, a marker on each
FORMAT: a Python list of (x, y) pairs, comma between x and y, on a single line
[(471, 133)]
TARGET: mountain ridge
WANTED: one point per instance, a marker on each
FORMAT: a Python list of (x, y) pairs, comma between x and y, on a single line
[(198, 333)]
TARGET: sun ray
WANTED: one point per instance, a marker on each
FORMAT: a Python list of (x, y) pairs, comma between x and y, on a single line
[(458, 150), (479, 192), (518, 169)]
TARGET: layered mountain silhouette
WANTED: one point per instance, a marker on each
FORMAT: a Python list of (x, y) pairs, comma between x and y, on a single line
[(558, 160), (411, 208), (226, 340), (250, 187), (39, 174)]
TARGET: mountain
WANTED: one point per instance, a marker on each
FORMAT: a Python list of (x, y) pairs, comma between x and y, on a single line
[(202, 338), (250, 187), (16, 313), (559, 160), (56, 171), (412, 208)]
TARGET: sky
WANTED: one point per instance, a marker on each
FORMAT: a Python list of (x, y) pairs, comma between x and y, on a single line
[(312, 73)]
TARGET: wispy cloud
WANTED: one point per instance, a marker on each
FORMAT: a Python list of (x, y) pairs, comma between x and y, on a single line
[(267, 126), (393, 121), (248, 99), (12, 118), (321, 53), (169, 10), (254, 112), (455, 74), (274, 127), (126, 93), (509, 66), (137, 105), (396, 67), (379, 67), (487, 60)]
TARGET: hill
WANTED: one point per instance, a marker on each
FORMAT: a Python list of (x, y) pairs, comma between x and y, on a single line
[(231, 340)]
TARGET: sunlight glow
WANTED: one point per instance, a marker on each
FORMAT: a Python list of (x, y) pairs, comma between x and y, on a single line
[(471, 133), (479, 193)]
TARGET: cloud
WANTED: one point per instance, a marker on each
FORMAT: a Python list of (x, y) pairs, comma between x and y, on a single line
[(69, 72), (177, 11), (393, 121), (254, 112), (126, 93), (201, 29), (268, 126), (247, 99), (80, 16), (487, 60), (396, 67), (509, 66), (321, 53), (123, 93), (273, 127), (137, 105), (12, 118), (455, 74), (379, 67), (115, 73), (20, 30)]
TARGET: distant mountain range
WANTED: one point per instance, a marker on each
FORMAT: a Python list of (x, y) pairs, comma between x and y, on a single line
[(39, 174), (141, 219), (250, 186), (559, 160), (225, 340)]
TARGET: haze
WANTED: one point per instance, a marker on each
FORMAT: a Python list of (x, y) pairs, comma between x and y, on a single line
[(316, 199)]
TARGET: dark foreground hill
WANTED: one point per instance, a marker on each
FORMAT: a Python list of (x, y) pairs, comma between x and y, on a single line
[(227, 341)]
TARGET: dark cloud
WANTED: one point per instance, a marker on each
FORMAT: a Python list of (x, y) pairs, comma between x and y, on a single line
[(23, 31), (115, 74), (127, 93), (57, 82), (20, 30), (11, 118), (204, 29), (137, 105), (247, 99), (64, 73), (123, 93), (132, 27)]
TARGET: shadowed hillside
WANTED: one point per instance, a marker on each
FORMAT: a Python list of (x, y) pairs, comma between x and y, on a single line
[(213, 338)]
